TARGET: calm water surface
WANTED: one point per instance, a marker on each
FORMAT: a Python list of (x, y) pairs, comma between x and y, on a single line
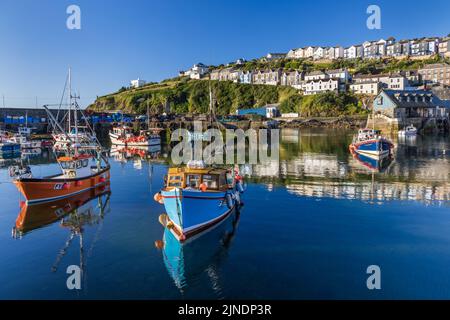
[(310, 227)]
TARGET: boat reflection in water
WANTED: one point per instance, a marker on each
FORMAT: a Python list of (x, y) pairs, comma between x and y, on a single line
[(74, 213), (35, 216), (123, 154), (374, 164), (199, 256)]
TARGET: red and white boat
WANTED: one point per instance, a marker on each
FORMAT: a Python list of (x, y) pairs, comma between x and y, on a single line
[(124, 136)]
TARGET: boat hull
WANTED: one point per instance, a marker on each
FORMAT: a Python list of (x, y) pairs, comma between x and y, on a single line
[(375, 148), (190, 211), (49, 189)]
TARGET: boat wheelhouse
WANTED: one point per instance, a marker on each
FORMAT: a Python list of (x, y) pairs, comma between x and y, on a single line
[(198, 197)]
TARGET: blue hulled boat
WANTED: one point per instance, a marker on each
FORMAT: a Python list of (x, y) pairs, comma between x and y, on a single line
[(196, 198), (370, 143)]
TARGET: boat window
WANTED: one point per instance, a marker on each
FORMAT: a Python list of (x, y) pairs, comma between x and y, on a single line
[(68, 165), (175, 181), (223, 180), (85, 162), (193, 180), (229, 178), (79, 164), (210, 181)]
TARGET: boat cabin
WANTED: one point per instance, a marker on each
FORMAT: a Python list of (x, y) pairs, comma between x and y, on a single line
[(203, 179), (77, 166), (123, 131)]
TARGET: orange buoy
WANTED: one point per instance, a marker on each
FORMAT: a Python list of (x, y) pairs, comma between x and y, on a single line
[(158, 198)]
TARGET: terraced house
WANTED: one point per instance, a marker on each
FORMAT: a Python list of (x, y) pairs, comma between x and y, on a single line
[(436, 73), (269, 77), (293, 78)]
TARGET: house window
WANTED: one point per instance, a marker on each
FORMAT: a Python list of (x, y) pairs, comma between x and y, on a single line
[(380, 100)]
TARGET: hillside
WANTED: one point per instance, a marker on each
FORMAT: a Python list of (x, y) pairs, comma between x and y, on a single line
[(192, 96)]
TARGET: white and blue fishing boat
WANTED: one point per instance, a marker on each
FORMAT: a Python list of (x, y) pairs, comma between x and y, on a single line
[(370, 143), (197, 197)]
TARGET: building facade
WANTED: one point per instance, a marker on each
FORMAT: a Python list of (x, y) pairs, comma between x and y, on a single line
[(436, 73), (367, 87)]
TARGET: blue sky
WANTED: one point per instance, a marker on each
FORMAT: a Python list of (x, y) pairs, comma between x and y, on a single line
[(153, 39)]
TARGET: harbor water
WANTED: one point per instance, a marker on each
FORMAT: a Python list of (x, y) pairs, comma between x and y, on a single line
[(310, 227)]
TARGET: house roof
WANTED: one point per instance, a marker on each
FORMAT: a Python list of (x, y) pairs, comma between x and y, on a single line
[(397, 95), (370, 76), (316, 73)]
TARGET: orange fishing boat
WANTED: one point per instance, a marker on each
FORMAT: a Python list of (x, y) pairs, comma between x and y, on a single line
[(77, 174)]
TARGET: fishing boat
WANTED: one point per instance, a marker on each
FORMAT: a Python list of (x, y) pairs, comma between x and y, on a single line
[(83, 137), (80, 169), (123, 136), (197, 197), (369, 142), (409, 131)]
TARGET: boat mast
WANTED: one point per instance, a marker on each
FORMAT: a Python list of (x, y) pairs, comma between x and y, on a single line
[(70, 101), (148, 117)]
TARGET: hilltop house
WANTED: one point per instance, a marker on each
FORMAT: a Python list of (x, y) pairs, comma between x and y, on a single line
[(196, 72), (245, 77), (292, 78), (296, 53), (319, 53), (321, 85), (352, 52), (309, 52), (369, 87), (398, 49), (137, 83), (275, 56), (374, 49), (444, 47), (316, 75), (341, 74), (424, 47), (334, 53), (270, 77)]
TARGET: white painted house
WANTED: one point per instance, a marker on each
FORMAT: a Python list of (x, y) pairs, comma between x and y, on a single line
[(352, 52), (137, 83), (320, 86)]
